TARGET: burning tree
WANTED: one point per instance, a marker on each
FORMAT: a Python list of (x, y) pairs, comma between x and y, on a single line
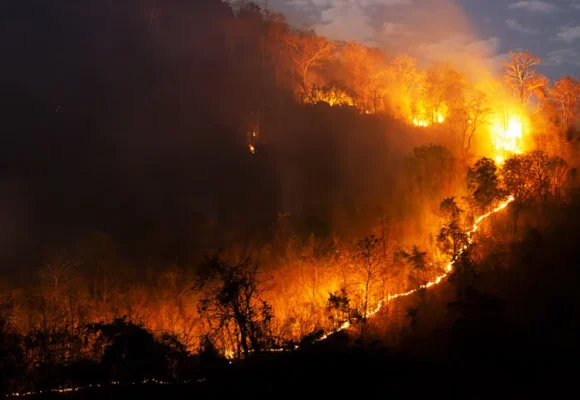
[(366, 75), (232, 303), (467, 120), (307, 51), (403, 71), (369, 266), (338, 307), (521, 76), (565, 96), (331, 94), (442, 90)]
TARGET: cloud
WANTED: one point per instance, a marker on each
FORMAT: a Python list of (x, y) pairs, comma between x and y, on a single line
[(301, 4), (561, 57), (355, 3), (350, 19), (516, 26), (459, 44), (568, 34), (466, 52), (345, 22), (537, 6), (392, 29)]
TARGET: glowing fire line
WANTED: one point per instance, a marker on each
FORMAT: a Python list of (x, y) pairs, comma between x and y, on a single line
[(80, 388), (436, 281)]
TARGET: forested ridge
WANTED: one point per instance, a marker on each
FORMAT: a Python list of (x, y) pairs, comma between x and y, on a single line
[(187, 186)]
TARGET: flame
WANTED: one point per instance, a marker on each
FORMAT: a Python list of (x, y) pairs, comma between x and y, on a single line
[(252, 149), (331, 95), (507, 136), (434, 282), (63, 389), (426, 118), (421, 123), (345, 325)]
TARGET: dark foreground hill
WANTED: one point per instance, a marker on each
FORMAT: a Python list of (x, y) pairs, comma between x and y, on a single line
[(333, 370)]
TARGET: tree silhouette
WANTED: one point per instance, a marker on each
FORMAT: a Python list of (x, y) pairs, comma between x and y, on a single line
[(483, 183), (233, 296), (451, 237)]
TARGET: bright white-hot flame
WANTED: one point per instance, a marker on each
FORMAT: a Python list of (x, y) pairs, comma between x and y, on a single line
[(507, 136), (416, 122)]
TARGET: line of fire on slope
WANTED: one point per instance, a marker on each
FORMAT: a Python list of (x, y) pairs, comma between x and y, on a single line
[(345, 325)]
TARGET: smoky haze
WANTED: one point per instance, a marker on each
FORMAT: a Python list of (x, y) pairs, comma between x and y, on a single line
[(429, 30), (131, 119), (195, 197)]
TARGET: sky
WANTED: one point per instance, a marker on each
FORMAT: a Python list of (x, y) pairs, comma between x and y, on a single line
[(451, 29)]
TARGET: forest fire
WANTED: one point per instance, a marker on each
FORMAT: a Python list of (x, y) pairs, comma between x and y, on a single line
[(425, 118), (438, 279), (278, 186), (439, 118), (507, 136)]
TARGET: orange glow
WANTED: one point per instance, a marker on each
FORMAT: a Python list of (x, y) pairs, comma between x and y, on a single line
[(507, 136), (252, 149), (438, 279), (330, 95), (425, 118)]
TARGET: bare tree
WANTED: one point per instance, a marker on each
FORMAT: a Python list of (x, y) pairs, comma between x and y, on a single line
[(442, 90), (307, 51), (137, 303), (364, 65), (565, 95), (369, 271), (233, 303), (521, 76), (404, 70), (467, 121), (105, 289), (55, 271)]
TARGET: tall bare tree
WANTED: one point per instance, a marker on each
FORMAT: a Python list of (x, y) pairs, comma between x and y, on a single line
[(367, 73), (232, 302), (307, 51), (521, 76), (467, 120), (565, 95)]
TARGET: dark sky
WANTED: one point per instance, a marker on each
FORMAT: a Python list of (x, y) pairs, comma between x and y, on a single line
[(548, 28)]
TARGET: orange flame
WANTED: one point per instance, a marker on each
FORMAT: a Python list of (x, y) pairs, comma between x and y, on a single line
[(507, 137), (437, 280)]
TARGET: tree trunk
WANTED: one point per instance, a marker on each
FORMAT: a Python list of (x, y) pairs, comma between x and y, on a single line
[(240, 320)]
